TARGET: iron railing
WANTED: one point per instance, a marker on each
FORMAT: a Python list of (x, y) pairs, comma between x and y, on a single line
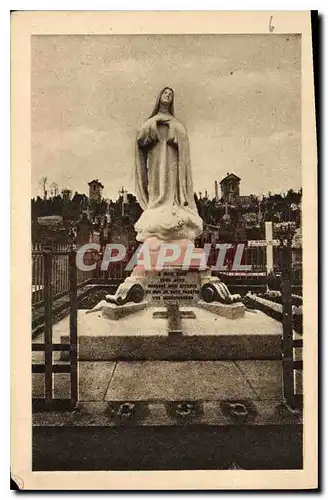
[(49, 368), (254, 256), (290, 345), (54, 276), (60, 269)]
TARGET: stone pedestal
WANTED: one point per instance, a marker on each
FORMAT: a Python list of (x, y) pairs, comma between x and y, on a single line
[(174, 286), (174, 281), (170, 253)]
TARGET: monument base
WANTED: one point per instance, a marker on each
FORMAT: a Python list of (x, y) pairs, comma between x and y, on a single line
[(141, 336), (176, 286), (173, 313)]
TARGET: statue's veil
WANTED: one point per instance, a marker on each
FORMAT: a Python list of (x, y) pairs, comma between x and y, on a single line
[(156, 108)]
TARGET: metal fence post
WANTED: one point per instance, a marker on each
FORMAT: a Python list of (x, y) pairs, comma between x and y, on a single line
[(287, 324), (285, 232), (73, 325), (47, 256)]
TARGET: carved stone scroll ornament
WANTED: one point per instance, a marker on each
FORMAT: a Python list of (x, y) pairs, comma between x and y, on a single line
[(218, 292), (127, 292)]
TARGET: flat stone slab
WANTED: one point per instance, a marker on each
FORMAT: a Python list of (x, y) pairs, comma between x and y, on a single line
[(115, 312), (206, 323), (174, 381), (231, 311), (170, 381)]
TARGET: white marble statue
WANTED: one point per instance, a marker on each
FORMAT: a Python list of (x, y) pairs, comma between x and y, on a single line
[(163, 177)]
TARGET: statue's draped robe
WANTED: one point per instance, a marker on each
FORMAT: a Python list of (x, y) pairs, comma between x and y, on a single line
[(163, 182)]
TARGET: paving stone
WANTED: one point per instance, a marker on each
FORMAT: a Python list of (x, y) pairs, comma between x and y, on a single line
[(185, 380), (265, 377), (94, 379)]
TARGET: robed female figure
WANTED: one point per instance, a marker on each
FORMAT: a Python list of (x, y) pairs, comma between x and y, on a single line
[(163, 178)]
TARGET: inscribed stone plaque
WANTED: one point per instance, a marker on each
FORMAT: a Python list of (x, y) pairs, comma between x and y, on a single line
[(172, 286)]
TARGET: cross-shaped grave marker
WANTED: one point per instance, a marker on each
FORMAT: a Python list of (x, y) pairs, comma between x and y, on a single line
[(174, 316)]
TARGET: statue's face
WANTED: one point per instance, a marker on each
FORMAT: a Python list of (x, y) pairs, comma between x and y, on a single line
[(167, 96)]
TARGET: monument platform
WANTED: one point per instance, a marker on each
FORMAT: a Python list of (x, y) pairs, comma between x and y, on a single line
[(140, 336)]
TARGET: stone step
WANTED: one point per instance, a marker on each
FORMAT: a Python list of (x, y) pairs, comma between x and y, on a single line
[(86, 441)]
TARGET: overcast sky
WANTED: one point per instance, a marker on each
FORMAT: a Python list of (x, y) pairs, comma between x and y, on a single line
[(238, 95)]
